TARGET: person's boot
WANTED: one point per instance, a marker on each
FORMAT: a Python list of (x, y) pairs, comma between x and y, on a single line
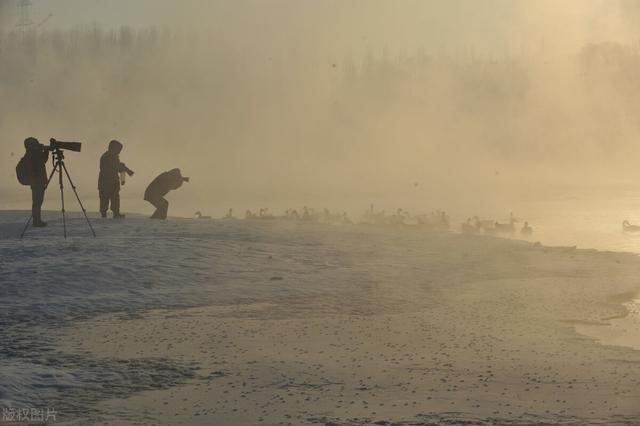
[(103, 214), (118, 215), (37, 220)]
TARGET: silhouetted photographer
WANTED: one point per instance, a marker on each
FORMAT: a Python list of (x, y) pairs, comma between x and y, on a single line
[(110, 179), (160, 187), (32, 171)]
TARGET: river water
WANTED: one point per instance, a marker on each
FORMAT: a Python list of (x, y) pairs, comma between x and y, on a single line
[(593, 223)]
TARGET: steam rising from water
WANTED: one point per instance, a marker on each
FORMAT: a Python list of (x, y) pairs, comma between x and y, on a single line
[(4, 14), (339, 104)]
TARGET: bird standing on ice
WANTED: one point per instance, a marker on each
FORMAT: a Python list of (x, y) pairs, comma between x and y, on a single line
[(526, 229), (627, 227)]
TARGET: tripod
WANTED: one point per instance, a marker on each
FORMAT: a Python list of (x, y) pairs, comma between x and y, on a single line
[(59, 166)]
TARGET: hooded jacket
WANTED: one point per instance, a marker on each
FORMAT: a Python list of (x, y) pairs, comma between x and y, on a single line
[(36, 158), (164, 183), (110, 167)]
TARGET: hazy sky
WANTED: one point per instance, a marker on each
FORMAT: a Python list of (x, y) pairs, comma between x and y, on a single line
[(488, 25), (254, 118)]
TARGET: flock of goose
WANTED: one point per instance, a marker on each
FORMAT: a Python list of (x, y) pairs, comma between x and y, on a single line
[(436, 220), (476, 225), (307, 214)]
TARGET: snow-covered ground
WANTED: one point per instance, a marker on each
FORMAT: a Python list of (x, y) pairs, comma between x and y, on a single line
[(240, 322)]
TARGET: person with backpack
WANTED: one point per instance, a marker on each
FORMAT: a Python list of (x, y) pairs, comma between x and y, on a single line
[(110, 178), (32, 171)]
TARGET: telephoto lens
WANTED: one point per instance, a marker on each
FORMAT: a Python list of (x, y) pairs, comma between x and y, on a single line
[(69, 146)]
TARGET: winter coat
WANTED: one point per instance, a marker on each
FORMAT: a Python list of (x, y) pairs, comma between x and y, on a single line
[(164, 183), (37, 164), (110, 168)]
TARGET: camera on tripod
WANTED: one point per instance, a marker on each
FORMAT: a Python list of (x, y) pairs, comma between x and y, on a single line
[(55, 145), (57, 148)]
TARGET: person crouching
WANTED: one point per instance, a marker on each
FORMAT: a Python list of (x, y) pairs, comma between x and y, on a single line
[(160, 187)]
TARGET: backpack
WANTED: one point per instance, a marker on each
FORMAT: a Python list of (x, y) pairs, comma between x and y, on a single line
[(22, 171)]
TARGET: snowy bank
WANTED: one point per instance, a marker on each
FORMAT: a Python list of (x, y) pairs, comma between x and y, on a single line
[(237, 322)]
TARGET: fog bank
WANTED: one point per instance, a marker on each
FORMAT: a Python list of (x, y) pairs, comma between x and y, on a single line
[(330, 104)]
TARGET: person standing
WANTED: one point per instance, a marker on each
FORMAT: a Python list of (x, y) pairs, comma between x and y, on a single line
[(160, 187), (109, 180), (36, 157)]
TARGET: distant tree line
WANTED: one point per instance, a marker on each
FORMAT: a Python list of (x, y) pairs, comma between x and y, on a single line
[(197, 77)]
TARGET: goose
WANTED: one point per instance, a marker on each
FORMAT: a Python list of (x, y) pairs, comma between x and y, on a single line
[(443, 221), (506, 227), (469, 228), (346, 220), (627, 227), (199, 216), (483, 224), (306, 214), (526, 229)]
